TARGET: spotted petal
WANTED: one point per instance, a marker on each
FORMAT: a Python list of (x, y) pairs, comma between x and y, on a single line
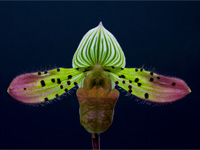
[(44, 86), (150, 86)]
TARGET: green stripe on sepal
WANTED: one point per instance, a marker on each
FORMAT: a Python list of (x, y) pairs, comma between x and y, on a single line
[(98, 46)]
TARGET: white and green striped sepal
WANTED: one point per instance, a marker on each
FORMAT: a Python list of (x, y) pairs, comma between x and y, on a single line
[(98, 47)]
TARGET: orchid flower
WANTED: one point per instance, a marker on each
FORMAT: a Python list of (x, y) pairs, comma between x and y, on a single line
[(98, 66)]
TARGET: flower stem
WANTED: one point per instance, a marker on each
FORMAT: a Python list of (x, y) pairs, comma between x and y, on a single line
[(96, 141)]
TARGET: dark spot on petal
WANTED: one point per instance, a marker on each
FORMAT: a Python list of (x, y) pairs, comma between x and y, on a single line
[(122, 76), (45, 72), (75, 83), (42, 83), (116, 82), (129, 86), (151, 79), (77, 68), (122, 68), (173, 84), (53, 80), (130, 81), (69, 76), (66, 90), (113, 67), (107, 70), (85, 70), (68, 82), (158, 77), (146, 95), (46, 99), (58, 81), (57, 95), (123, 82), (130, 91), (61, 86), (136, 80), (151, 73), (139, 84), (39, 73), (58, 69), (136, 70), (24, 88), (141, 70)]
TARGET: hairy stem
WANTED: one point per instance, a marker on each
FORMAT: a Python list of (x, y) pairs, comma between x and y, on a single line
[(96, 141)]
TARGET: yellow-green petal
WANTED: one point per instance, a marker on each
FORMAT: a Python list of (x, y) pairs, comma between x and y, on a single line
[(44, 86), (150, 86)]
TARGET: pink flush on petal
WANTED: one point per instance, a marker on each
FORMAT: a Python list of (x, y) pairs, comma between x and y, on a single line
[(167, 89), (23, 87)]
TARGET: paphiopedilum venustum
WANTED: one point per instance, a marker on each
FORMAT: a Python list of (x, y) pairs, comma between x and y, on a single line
[(98, 66)]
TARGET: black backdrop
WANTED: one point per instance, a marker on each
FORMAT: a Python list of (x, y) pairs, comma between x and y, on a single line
[(42, 35)]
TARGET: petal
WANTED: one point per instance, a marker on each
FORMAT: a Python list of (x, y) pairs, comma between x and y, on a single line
[(150, 86), (44, 86)]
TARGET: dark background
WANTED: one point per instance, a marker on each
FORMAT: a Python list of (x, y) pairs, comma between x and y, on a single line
[(41, 35)]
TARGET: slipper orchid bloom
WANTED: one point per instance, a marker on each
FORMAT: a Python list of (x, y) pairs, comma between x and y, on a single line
[(98, 66)]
